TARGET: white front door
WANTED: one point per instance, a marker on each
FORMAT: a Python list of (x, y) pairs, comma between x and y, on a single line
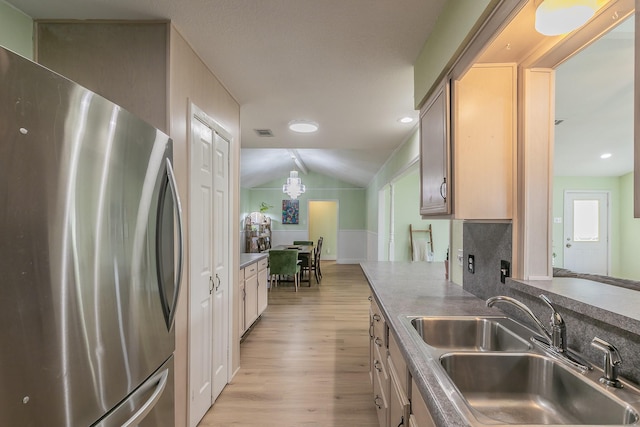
[(586, 232), (201, 271), (220, 265)]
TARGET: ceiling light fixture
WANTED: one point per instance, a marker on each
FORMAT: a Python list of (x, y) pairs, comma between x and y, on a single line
[(555, 17), (406, 120), (605, 155), (294, 186), (303, 126)]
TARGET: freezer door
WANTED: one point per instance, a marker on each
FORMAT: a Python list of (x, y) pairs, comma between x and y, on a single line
[(151, 405), (90, 250)]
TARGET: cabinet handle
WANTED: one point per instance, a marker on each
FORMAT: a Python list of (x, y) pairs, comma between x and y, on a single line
[(376, 317), (377, 366), (378, 341), (369, 298), (376, 400), (401, 421), (218, 280), (443, 186), (210, 285), (370, 329)]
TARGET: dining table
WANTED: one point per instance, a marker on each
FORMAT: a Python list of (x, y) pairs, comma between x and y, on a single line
[(302, 250)]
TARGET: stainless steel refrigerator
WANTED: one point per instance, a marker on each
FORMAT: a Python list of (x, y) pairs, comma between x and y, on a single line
[(90, 257)]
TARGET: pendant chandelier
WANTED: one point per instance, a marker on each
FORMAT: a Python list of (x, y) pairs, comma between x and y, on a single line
[(294, 186)]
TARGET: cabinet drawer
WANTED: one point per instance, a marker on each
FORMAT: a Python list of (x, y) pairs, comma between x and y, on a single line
[(251, 270), (380, 391), (379, 325), (262, 264), (380, 361)]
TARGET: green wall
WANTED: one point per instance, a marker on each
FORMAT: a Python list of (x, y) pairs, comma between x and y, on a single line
[(16, 30), (630, 232), (625, 229), (400, 160), (406, 194), (619, 233), (351, 201), (453, 30)]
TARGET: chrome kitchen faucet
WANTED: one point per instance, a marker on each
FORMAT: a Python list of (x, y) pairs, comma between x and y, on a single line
[(554, 342)]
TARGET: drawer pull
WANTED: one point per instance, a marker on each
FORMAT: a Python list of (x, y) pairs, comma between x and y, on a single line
[(378, 402), (376, 317), (377, 366), (378, 341)]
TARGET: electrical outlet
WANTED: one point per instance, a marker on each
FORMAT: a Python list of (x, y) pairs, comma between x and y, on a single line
[(505, 270), (471, 264)]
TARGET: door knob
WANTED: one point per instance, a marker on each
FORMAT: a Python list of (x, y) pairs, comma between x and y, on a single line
[(568, 245)]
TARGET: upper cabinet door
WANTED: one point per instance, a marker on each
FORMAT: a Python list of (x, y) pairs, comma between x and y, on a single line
[(484, 135), (434, 154)]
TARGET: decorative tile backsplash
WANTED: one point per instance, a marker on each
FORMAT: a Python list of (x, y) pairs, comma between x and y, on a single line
[(489, 243)]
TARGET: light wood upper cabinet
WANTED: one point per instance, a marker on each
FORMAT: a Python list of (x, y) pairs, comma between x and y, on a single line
[(434, 154), (483, 141), (467, 150)]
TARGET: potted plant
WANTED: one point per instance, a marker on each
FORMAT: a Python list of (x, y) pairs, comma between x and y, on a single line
[(264, 207)]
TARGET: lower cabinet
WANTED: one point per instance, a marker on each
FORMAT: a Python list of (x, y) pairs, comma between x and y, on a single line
[(378, 362), (399, 407), (396, 398), (420, 415), (253, 293), (242, 293), (262, 285)]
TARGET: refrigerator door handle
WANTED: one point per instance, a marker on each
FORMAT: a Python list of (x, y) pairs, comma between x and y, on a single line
[(178, 209), (144, 410)]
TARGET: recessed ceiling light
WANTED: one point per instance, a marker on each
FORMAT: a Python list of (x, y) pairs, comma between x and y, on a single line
[(406, 120), (303, 126), (605, 155)]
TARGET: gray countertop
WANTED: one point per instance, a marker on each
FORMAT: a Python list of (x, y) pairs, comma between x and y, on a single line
[(611, 304), (415, 289), (250, 258), (419, 288)]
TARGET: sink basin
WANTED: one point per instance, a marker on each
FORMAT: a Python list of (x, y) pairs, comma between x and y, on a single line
[(471, 333), (529, 388)]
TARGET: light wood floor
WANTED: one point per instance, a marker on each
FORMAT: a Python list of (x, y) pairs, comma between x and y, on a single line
[(306, 361)]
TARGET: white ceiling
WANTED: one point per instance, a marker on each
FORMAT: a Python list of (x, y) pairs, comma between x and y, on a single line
[(345, 64), (348, 66), (594, 98)]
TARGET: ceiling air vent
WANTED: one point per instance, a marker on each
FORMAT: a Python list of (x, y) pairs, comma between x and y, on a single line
[(264, 133)]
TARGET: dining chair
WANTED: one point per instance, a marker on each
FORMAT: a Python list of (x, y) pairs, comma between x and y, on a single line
[(305, 262), (303, 242), (284, 262), (315, 263)]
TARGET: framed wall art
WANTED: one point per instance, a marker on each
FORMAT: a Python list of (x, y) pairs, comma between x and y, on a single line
[(290, 211)]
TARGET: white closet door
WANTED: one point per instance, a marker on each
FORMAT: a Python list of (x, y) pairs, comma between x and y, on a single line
[(201, 271)]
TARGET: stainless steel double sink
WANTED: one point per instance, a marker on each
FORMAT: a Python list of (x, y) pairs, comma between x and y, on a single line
[(494, 375)]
